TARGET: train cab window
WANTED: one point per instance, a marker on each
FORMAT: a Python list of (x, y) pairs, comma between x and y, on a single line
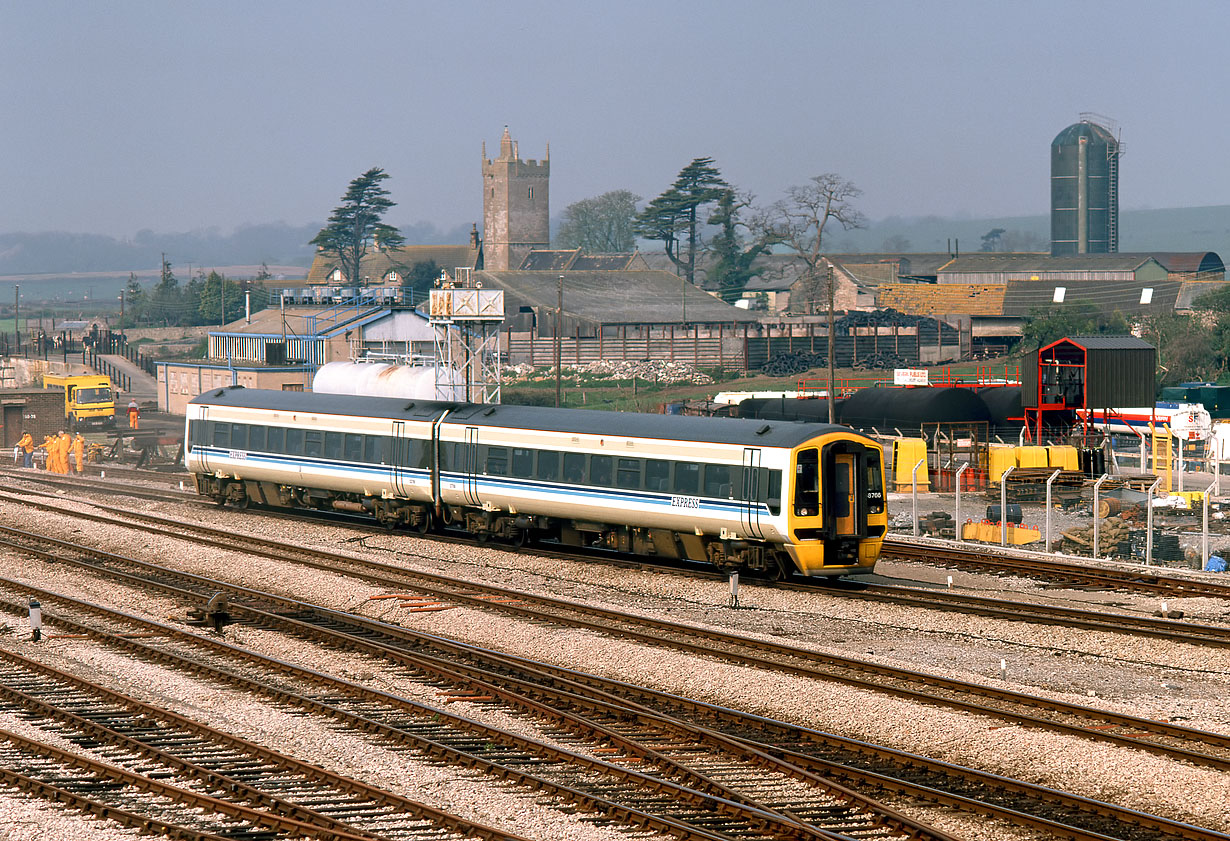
[(195, 429), (239, 436), (353, 447), (548, 465), (256, 438), (222, 434), (276, 439), (875, 485), (687, 478), (628, 473), (313, 443), (497, 461), (807, 484), (600, 471), (522, 462), (375, 449), (717, 480), (333, 445), (657, 474), (294, 441), (574, 467)]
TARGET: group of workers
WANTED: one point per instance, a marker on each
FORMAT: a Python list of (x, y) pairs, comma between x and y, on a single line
[(57, 448)]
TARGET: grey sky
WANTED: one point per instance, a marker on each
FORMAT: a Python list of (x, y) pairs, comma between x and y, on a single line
[(178, 116)]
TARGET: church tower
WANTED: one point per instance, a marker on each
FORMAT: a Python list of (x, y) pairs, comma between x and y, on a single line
[(515, 208)]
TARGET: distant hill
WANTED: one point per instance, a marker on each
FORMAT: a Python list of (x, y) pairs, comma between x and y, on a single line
[(1171, 229)]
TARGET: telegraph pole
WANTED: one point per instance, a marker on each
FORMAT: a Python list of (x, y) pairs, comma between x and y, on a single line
[(828, 274), (559, 309)]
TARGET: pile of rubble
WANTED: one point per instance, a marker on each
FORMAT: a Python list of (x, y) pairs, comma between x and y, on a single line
[(646, 370)]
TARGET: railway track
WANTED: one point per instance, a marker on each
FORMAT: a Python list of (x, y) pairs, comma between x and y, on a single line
[(630, 784), (1051, 568), (1010, 800)]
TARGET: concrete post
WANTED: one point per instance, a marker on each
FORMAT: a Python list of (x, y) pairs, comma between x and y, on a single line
[(1003, 506), (957, 513), (914, 489), (1097, 520)]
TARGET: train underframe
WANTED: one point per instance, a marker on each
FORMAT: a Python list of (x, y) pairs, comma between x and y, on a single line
[(727, 554)]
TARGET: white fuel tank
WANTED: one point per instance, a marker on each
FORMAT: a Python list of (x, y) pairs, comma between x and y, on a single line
[(382, 379)]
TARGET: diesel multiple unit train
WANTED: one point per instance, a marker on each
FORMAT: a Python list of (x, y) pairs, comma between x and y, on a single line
[(765, 497)]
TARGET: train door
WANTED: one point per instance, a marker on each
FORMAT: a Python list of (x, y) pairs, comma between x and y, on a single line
[(750, 493), (400, 458), (197, 439), (842, 495), (469, 465)]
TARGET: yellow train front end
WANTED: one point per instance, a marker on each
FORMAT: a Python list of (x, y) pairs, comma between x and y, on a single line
[(837, 513)]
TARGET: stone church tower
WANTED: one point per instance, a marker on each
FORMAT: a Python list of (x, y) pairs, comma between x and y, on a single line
[(515, 207)]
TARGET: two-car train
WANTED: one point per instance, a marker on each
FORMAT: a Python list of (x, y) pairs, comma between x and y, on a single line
[(766, 497)]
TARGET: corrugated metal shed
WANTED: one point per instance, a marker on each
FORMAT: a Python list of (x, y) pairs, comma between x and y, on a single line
[(1119, 371)]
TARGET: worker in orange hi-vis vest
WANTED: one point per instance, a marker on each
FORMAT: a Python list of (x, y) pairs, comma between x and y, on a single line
[(49, 447), (134, 412), (79, 452), (64, 444), (27, 449)]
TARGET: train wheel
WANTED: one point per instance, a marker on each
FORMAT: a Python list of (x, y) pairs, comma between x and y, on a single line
[(424, 525), (242, 502)]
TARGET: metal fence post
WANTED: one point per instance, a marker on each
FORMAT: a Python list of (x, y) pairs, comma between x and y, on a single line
[(1003, 506), (914, 486), (957, 513), (1053, 477), (1204, 535), (1097, 519), (1149, 523)]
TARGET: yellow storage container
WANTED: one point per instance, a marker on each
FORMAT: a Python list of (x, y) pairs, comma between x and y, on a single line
[(1063, 457), (999, 458), (906, 454), (1031, 457)]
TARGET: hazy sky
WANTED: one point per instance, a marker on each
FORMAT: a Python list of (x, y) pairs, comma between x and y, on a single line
[(177, 116)]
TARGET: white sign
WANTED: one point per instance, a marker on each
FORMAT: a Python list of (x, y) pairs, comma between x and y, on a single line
[(910, 376)]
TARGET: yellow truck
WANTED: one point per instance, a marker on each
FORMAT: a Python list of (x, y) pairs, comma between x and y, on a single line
[(88, 399)]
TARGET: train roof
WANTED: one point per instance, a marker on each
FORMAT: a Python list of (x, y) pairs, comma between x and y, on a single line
[(578, 421)]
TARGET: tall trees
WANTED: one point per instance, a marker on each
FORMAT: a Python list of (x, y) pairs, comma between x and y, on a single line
[(356, 224), (737, 244), (674, 218), (601, 225), (800, 222)]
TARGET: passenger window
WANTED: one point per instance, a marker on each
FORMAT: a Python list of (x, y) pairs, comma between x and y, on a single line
[(548, 465), (497, 461), (522, 462), (222, 434), (687, 478), (374, 450), (256, 438), (239, 436), (657, 474), (313, 444), (277, 439), (628, 473), (353, 447), (600, 471), (333, 445), (717, 480), (294, 442), (574, 467)]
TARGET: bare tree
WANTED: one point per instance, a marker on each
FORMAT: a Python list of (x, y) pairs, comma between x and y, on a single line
[(799, 222)]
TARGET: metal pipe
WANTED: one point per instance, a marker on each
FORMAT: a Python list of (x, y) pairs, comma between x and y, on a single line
[(1149, 523), (1097, 519), (1054, 476), (1204, 536), (1003, 506), (957, 513), (914, 485)]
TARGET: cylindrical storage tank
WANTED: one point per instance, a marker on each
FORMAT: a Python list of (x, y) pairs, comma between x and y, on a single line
[(886, 409), (377, 379), (1084, 190)]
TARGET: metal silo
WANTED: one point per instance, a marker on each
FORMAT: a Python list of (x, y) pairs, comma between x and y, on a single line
[(1085, 189)]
